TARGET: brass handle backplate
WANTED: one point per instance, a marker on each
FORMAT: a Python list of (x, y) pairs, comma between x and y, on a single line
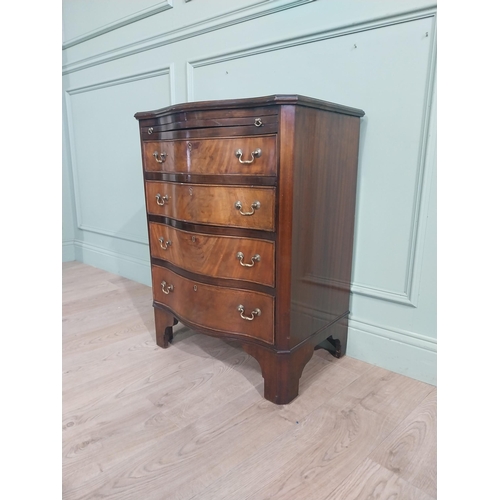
[(163, 156), (164, 244), (166, 289), (160, 200), (255, 206), (254, 259), (255, 154), (254, 313)]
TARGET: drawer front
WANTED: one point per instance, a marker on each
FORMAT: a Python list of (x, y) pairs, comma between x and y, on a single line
[(235, 206), (211, 122), (242, 155), (215, 307), (218, 256)]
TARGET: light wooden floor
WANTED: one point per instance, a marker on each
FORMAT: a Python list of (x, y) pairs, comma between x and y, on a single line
[(190, 422)]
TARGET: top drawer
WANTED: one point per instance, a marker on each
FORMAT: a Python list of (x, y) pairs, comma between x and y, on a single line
[(241, 155), (211, 123)]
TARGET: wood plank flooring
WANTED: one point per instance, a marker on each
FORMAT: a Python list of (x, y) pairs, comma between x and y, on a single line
[(190, 421)]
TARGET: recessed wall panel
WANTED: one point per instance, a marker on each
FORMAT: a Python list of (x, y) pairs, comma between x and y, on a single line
[(106, 156), (83, 16), (384, 71)]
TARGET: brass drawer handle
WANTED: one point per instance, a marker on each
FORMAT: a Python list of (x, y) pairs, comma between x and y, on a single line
[(258, 122), (150, 130), (163, 156), (255, 312), (254, 259), (255, 154), (255, 206), (160, 200), (164, 244), (166, 289)]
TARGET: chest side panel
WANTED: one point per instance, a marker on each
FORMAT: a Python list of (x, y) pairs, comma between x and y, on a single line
[(324, 194)]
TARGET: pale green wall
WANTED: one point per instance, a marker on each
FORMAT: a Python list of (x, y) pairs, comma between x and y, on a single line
[(68, 213), (138, 55)]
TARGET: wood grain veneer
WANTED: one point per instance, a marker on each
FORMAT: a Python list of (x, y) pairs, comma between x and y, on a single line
[(305, 183), (325, 173), (209, 204), (214, 307), (212, 156), (211, 255)]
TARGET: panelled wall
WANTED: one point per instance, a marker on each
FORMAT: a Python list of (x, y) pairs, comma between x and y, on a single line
[(123, 56)]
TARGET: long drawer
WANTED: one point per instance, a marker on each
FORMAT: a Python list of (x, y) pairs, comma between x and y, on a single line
[(236, 206), (218, 256), (239, 312), (242, 156)]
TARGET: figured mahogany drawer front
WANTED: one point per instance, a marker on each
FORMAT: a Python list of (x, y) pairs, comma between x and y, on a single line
[(242, 155), (228, 310), (236, 206), (218, 256)]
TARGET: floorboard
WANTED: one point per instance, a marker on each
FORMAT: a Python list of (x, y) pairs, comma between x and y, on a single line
[(190, 422)]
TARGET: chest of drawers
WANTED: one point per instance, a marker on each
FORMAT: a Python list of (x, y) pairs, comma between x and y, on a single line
[(250, 206)]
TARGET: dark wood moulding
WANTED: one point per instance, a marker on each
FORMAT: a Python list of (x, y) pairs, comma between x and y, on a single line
[(252, 102), (223, 180), (212, 229)]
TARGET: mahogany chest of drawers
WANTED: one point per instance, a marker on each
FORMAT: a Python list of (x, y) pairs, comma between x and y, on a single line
[(250, 207)]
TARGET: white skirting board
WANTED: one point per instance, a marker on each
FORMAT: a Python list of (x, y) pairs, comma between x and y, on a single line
[(117, 263), (412, 356)]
